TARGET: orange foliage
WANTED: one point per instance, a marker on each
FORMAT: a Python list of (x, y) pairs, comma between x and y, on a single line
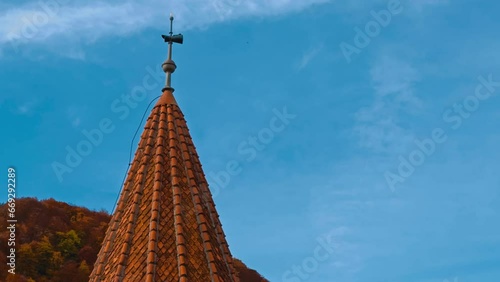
[(58, 242)]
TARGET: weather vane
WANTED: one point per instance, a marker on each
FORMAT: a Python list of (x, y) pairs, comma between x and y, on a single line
[(169, 65)]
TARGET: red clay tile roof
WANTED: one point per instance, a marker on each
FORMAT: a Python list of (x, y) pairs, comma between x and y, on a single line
[(165, 227)]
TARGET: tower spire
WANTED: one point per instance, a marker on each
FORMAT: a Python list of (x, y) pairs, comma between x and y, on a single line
[(169, 65), (165, 226)]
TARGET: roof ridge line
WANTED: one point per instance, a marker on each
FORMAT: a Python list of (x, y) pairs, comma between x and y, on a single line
[(151, 257), (210, 206), (206, 244), (178, 230)]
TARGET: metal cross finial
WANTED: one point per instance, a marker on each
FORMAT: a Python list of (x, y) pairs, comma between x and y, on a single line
[(171, 23), (169, 65)]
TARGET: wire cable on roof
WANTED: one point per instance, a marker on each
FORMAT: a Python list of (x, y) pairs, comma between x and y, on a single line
[(130, 154)]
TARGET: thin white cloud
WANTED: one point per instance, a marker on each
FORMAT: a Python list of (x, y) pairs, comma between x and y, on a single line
[(422, 4), (26, 108), (76, 54), (91, 20), (378, 125), (23, 109), (411, 4), (308, 56), (74, 114), (76, 122), (346, 195)]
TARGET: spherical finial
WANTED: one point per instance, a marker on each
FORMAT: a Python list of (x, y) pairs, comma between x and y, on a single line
[(171, 16), (169, 66)]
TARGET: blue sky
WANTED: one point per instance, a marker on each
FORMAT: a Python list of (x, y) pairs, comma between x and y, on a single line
[(390, 154)]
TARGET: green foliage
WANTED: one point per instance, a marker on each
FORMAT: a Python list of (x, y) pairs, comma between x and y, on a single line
[(68, 243), (43, 255), (84, 269), (28, 261)]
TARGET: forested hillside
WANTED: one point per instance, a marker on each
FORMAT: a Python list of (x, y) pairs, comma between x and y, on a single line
[(59, 242)]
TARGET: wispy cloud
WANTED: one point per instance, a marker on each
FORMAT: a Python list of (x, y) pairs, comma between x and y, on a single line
[(308, 56), (378, 125), (26, 108), (92, 20), (353, 9), (76, 54), (422, 4), (348, 198), (74, 115)]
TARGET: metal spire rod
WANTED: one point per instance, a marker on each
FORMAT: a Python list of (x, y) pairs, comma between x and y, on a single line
[(169, 65), (171, 34)]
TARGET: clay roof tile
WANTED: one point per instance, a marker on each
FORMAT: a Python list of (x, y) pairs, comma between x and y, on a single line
[(165, 227)]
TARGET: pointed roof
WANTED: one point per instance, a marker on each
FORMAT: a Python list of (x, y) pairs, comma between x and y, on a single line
[(165, 227)]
